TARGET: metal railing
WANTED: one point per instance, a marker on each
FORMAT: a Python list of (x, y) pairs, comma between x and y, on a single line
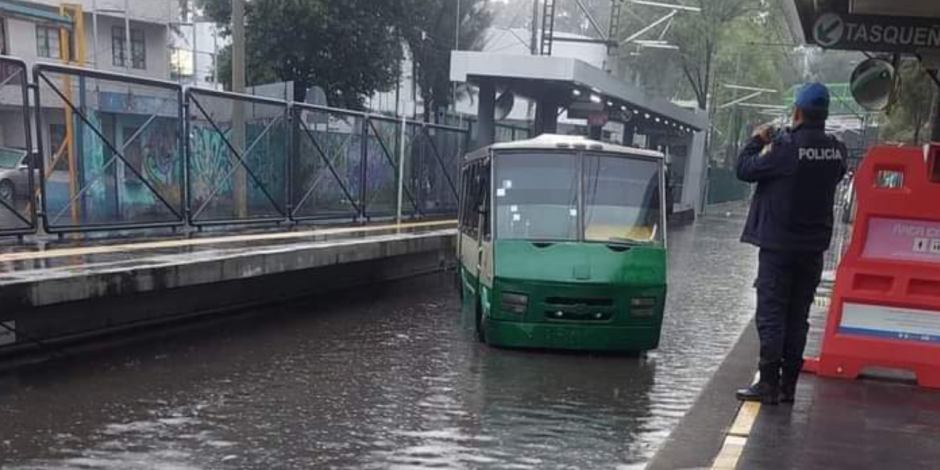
[(843, 222), (17, 165), (121, 152), (237, 150), (326, 173), (112, 147)]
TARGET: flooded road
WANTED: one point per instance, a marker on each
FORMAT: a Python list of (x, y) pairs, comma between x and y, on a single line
[(388, 378)]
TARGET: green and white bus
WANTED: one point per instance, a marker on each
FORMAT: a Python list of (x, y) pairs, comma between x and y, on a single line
[(562, 244)]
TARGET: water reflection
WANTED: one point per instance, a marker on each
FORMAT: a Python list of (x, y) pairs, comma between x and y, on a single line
[(384, 378)]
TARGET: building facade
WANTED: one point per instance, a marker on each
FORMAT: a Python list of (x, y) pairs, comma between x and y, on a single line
[(130, 37)]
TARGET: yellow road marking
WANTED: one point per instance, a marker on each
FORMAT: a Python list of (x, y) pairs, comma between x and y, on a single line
[(730, 454), (93, 250), (736, 438), (747, 415)]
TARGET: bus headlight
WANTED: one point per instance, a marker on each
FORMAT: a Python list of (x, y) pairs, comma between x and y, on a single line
[(643, 306), (513, 303)]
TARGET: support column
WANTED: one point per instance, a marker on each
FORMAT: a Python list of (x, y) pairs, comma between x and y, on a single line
[(486, 123), (696, 173), (546, 116), (595, 132), (629, 131)]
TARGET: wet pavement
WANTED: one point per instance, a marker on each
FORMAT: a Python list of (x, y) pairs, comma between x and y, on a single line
[(847, 425), (385, 378)]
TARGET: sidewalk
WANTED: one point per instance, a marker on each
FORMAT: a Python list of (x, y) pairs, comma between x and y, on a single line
[(837, 424), (871, 424)]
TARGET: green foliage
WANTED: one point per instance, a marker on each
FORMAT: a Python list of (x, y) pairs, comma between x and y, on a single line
[(350, 48), (909, 118), (569, 18), (739, 61), (699, 36), (429, 32), (734, 42)]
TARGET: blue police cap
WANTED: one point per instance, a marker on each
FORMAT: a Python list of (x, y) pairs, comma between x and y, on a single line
[(813, 96)]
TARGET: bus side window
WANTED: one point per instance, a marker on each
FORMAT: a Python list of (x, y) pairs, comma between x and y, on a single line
[(473, 216), (484, 200), (467, 210), (477, 188), (464, 178)]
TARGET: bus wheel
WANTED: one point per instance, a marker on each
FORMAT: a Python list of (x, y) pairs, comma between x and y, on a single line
[(480, 324)]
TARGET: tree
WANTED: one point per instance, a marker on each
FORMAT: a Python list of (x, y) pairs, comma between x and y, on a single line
[(744, 50), (698, 36), (909, 118), (350, 48), (569, 18), (430, 34), (739, 60)]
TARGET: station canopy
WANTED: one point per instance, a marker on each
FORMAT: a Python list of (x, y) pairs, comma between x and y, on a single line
[(571, 81), (901, 26)]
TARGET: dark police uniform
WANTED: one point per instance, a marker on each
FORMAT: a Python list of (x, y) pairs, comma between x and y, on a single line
[(791, 221)]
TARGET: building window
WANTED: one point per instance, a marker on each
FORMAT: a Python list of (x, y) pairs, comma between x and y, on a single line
[(138, 47), (47, 42), (57, 144)]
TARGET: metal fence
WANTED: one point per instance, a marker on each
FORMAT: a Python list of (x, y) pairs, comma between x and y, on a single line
[(119, 152), (724, 186), (17, 167), (112, 150), (844, 220), (237, 151)]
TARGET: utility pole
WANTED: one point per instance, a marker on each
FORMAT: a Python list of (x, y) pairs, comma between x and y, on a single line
[(534, 45), (456, 48), (238, 46), (94, 27), (240, 179), (215, 55)]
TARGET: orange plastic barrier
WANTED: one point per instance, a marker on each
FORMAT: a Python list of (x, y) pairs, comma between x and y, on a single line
[(885, 309)]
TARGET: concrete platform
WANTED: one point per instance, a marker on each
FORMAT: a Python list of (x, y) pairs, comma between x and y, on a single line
[(870, 424), (71, 292)]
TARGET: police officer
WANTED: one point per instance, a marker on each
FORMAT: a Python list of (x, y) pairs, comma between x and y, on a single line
[(790, 220)]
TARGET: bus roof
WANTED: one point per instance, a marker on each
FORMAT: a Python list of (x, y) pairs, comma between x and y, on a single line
[(565, 142)]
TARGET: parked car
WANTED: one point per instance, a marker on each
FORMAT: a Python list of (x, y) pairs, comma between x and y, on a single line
[(14, 175)]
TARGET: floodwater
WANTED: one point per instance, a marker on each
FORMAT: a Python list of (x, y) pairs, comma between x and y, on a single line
[(388, 377)]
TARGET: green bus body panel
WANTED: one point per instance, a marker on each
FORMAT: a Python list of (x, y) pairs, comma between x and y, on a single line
[(641, 265), (579, 281)]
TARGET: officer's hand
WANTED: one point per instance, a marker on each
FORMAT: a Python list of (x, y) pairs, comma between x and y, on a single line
[(763, 133)]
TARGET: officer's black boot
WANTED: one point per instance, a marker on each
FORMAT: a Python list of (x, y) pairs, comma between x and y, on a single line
[(788, 385), (763, 392), (766, 391)]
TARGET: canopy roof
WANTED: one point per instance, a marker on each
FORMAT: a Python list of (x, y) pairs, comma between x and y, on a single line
[(573, 79)]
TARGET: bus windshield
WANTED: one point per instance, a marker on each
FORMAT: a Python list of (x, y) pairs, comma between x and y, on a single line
[(621, 200), (538, 196)]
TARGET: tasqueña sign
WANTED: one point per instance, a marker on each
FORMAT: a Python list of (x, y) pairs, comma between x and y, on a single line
[(876, 33)]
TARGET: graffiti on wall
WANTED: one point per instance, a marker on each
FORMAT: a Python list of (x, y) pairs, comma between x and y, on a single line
[(209, 163), (212, 164)]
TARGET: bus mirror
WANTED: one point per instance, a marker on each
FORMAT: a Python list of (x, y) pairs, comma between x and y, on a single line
[(873, 83)]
